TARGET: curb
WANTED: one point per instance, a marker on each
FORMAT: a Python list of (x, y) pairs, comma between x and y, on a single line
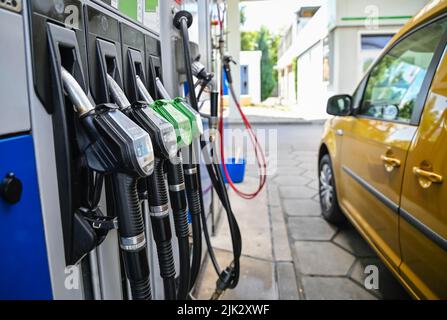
[(277, 122)]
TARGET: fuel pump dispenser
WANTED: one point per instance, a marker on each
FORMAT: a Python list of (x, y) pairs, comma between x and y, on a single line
[(113, 144), (95, 114)]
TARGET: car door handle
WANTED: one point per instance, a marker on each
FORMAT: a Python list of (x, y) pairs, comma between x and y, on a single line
[(427, 178), (390, 163), (339, 132)]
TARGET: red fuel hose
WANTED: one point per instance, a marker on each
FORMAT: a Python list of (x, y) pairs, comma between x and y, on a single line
[(259, 152)]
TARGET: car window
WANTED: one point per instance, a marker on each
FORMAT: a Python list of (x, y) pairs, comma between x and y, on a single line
[(396, 80)]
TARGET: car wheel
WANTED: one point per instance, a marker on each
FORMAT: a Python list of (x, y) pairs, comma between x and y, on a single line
[(328, 196)]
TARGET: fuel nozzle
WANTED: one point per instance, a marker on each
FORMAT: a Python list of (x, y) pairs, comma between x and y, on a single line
[(79, 99), (223, 283), (143, 91), (199, 71), (162, 132), (117, 146), (208, 80), (117, 93), (183, 107), (227, 60)]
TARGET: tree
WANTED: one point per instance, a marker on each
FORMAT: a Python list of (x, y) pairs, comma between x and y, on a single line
[(275, 41), (249, 40), (268, 80)]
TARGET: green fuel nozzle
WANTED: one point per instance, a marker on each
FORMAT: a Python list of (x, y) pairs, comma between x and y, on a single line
[(194, 118), (180, 122)]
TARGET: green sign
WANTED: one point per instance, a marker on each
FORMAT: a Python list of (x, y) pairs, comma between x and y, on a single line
[(151, 5), (372, 18), (129, 8)]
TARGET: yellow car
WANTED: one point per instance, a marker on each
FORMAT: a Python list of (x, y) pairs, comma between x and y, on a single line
[(383, 157)]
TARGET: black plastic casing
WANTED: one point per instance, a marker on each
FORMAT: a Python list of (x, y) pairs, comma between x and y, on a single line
[(113, 153), (140, 113)]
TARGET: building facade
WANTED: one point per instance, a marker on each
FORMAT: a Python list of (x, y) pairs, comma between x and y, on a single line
[(329, 48)]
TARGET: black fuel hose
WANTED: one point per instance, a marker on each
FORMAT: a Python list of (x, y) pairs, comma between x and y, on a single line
[(131, 232), (177, 195), (183, 20), (193, 194), (228, 278), (161, 227), (219, 186)]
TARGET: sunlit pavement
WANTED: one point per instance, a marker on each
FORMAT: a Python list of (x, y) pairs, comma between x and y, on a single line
[(290, 252)]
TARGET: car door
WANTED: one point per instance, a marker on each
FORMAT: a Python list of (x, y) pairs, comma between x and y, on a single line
[(423, 225), (376, 144)]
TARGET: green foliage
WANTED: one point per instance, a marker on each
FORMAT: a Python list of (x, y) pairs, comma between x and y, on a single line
[(268, 43), (268, 79), (275, 41), (295, 72), (249, 40)]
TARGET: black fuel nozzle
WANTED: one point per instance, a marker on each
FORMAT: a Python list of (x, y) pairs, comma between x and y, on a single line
[(227, 60), (199, 71), (223, 283), (119, 147)]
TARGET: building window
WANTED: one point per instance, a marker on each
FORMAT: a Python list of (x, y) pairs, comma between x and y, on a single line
[(244, 80)]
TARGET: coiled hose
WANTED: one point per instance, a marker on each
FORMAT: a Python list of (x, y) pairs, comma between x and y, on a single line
[(179, 207), (161, 227), (131, 232)]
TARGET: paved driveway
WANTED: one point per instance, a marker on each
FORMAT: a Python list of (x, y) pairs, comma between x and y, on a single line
[(330, 263), (289, 251)]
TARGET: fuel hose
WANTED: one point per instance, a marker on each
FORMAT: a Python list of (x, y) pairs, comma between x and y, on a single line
[(131, 232), (228, 278), (161, 227), (179, 207)]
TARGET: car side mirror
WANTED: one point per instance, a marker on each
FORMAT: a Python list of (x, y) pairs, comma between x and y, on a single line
[(339, 105)]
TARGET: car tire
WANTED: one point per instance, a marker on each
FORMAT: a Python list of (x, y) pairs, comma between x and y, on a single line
[(328, 196)]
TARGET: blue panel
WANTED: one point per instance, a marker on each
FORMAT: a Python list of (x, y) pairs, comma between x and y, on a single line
[(24, 272), (225, 83)]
